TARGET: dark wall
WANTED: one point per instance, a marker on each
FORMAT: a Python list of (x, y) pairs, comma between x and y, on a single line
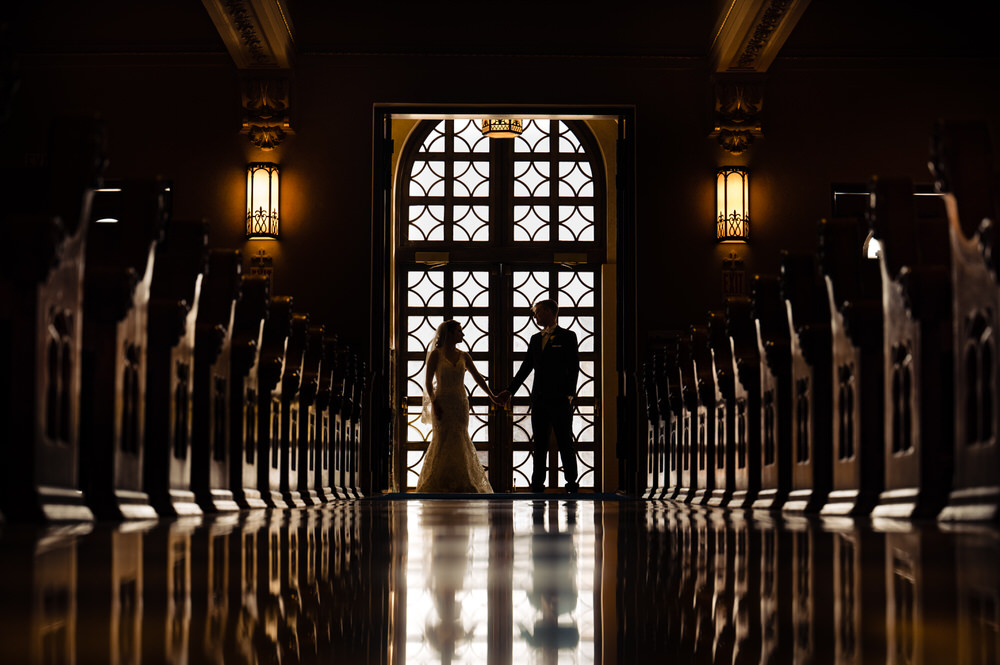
[(178, 116)]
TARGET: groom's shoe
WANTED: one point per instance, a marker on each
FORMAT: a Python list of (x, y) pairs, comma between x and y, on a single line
[(537, 489), (572, 488)]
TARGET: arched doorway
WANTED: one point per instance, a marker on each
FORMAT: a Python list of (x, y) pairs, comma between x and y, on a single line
[(483, 229)]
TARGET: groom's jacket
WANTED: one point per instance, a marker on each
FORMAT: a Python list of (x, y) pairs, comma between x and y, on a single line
[(556, 366)]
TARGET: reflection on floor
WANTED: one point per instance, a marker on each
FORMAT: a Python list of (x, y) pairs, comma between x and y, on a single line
[(499, 581)]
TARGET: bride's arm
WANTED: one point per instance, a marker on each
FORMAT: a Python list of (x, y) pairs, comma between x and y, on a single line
[(432, 364), (471, 366)]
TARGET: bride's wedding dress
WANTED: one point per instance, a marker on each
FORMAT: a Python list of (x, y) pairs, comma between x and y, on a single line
[(451, 463)]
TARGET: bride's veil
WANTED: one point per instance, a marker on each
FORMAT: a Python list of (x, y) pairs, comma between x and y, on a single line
[(427, 413)]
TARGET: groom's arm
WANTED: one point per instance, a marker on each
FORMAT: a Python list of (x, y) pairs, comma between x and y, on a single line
[(573, 370), (524, 370)]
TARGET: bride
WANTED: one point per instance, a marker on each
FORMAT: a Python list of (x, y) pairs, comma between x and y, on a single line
[(451, 463)]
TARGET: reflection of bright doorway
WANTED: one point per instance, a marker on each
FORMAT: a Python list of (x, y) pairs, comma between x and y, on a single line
[(484, 228)]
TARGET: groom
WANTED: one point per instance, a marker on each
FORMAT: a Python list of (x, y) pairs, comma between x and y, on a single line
[(553, 355)]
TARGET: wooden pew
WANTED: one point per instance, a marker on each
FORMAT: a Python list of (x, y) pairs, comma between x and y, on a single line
[(774, 349), (214, 400), (327, 421), (339, 384), (357, 448), (41, 326), (854, 293), (118, 276), (309, 415), (291, 414), (727, 436), (173, 310), (742, 330), (917, 306), (270, 416), (687, 462), (652, 429), (963, 166), (812, 382), (668, 393), (245, 391), (705, 424)]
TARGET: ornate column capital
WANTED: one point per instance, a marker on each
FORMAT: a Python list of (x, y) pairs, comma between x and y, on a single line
[(266, 104), (738, 105)]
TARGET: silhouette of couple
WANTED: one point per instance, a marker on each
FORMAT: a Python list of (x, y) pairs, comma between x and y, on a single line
[(451, 463)]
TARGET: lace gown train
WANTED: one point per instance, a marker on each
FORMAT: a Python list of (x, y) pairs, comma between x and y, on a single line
[(451, 463)]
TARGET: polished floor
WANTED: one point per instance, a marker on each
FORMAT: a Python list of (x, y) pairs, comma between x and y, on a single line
[(499, 581)]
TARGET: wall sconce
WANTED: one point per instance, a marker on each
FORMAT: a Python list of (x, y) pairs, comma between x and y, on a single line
[(732, 186), (501, 128), (262, 201)]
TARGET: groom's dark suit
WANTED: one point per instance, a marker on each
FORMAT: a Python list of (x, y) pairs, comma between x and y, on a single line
[(556, 364)]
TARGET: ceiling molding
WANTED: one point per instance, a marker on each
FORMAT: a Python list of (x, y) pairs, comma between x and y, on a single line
[(257, 33), (750, 33)]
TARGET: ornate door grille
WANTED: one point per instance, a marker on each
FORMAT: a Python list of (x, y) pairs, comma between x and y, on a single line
[(503, 211)]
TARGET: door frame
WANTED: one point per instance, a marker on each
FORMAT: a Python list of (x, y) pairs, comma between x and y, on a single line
[(381, 417)]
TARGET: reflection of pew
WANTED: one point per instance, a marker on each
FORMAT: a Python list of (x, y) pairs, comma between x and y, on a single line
[(723, 593), (245, 391), (978, 589), (38, 585), (41, 322), (917, 306), (812, 591), (746, 589), (921, 602), (855, 299), (166, 633), (773, 348), (965, 173), (728, 437), (704, 587), (812, 383), (210, 593), (111, 594), (327, 421), (309, 415), (858, 591), (777, 639), (705, 423), (214, 399), (687, 462), (173, 310), (742, 331), (118, 275), (277, 329)]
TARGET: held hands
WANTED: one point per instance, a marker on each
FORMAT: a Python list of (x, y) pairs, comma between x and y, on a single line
[(502, 398)]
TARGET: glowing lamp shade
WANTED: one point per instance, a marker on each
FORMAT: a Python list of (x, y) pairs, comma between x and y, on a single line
[(732, 186), (501, 128), (262, 201)]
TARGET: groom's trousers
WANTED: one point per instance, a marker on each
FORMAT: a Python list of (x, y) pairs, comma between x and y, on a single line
[(552, 415)]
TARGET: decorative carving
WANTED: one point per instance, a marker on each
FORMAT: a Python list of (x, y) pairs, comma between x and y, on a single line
[(738, 105), (762, 32), (247, 28), (266, 103), (733, 276), (263, 266)]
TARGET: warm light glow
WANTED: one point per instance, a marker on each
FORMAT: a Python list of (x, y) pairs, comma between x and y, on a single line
[(733, 204), (262, 201), (872, 248), (501, 128)]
